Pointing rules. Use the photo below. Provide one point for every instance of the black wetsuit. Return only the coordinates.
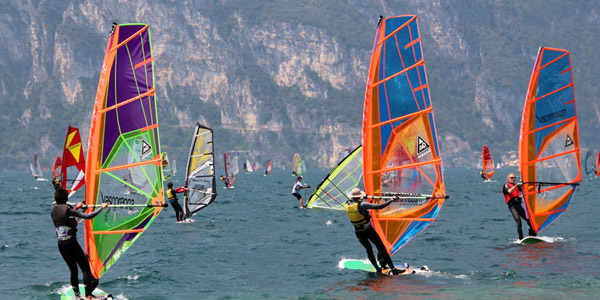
(172, 195)
(367, 235)
(517, 211)
(66, 231)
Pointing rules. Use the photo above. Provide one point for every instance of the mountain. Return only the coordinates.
(282, 77)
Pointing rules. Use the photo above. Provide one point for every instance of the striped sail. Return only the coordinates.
(73, 162)
(400, 148)
(123, 141)
(200, 174)
(333, 190)
(549, 158)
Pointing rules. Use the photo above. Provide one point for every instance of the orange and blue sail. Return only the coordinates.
(487, 163)
(124, 161)
(401, 154)
(549, 161)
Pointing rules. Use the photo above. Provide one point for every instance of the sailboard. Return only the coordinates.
(333, 191)
(200, 172)
(487, 163)
(269, 167)
(298, 166)
(123, 139)
(549, 158)
(231, 169)
(73, 162)
(248, 167)
(401, 157)
(597, 167)
(56, 168)
(588, 163)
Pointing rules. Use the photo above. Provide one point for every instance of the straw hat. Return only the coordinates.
(356, 193)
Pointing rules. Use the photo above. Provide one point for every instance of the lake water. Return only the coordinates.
(252, 244)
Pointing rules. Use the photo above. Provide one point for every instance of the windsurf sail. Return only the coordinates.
(73, 162)
(123, 140)
(588, 163)
(200, 174)
(269, 167)
(56, 168)
(166, 167)
(333, 191)
(248, 167)
(597, 168)
(549, 158)
(298, 166)
(487, 163)
(38, 167)
(231, 169)
(400, 148)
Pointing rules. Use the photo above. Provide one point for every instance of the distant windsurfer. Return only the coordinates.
(298, 185)
(358, 212)
(512, 196)
(225, 181)
(172, 196)
(56, 183)
(63, 216)
(482, 174)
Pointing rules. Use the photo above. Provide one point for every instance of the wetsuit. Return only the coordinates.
(66, 230)
(513, 200)
(172, 195)
(358, 212)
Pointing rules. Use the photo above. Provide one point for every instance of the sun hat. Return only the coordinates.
(356, 193)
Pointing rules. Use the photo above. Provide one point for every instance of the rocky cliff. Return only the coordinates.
(280, 77)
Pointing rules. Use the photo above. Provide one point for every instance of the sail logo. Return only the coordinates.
(568, 141)
(114, 200)
(146, 149)
(552, 116)
(422, 147)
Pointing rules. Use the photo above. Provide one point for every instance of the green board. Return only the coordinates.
(528, 240)
(68, 294)
(365, 265)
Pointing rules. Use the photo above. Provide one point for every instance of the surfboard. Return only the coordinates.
(528, 240)
(69, 295)
(365, 265)
(186, 221)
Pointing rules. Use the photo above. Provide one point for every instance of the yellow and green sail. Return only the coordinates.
(333, 190)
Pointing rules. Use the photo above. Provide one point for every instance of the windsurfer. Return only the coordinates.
(482, 174)
(225, 181)
(358, 212)
(63, 216)
(172, 195)
(298, 185)
(512, 196)
(56, 183)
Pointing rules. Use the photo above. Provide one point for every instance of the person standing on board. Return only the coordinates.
(172, 196)
(63, 216)
(358, 212)
(512, 196)
(225, 181)
(298, 185)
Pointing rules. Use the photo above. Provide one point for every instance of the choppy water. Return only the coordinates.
(252, 244)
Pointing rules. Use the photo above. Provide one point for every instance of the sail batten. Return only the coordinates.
(549, 142)
(401, 153)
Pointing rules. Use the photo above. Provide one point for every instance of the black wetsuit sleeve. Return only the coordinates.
(79, 214)
(505, 189)
(367, 205)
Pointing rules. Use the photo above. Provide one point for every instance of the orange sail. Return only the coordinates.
(400, 149)
(549, 158)
(488, 164)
